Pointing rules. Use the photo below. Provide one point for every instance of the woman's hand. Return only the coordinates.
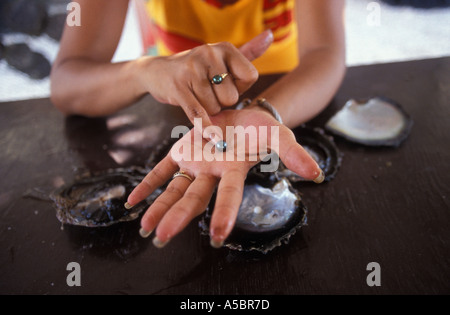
(184, 79)
(184, 199)
(84, 81)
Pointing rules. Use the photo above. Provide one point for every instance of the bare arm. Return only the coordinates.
(306, 91)
(83, 79)
(85, 82)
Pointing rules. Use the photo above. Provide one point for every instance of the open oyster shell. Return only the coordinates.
(375, 122)
(322, 149)
(98, 200)
(270, 213)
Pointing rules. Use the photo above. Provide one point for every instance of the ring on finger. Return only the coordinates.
(218, 79)
(182, 174)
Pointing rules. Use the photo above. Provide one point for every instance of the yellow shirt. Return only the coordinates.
(179, 25)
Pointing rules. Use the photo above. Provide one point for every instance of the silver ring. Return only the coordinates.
(182, 174)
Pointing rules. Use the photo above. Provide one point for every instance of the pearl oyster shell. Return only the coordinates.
(270, 213)
(321, 148)
(98, 200)
(374, 122)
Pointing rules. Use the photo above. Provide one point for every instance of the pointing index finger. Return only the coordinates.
(198, 116)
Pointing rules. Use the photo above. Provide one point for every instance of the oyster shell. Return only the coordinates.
(270, 213)
(375, 122)
(98, 200)
(322, 149)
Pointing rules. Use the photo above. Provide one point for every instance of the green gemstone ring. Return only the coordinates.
(217, 79)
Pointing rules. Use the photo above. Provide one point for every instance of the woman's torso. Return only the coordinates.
(178, 25)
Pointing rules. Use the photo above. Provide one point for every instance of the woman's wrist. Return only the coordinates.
(262, 105)
(141, 69)
(262, 102)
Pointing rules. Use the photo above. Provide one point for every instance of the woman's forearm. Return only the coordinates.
(307, 90)
(90, 88)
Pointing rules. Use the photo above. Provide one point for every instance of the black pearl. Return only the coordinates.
(217, 79)
(221, 146)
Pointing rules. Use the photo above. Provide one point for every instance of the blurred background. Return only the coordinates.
(377, 32)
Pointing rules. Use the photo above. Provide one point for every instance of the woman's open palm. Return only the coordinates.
(251, 134)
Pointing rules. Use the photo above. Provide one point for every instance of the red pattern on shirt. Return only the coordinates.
(175, 42)
(270, 4)
(281, 20)
(220, 3)
(278, 21)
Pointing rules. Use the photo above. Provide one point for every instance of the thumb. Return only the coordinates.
(257, 46)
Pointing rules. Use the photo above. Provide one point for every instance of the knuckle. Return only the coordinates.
(161, 203)
(203, 52)
(186, 67)
(226, 45)
(182, 211)
(252, 74)
(147, 182)
(189, 70)
(236, 174)
(150, 219)
(194, 112)
(191, 195)
(230, 189)
(230, 98)
(171, 189)
(214, 110)
(223, 209)
(249, 76)
(149, 185)
(234, 97)
(157, 174)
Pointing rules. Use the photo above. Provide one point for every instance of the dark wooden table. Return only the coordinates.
(390, 206)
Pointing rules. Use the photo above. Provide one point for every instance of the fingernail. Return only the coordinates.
(127, 206)
(158, 243)
(216, 244)
(144, 233)
(319, 179)
(269, 38)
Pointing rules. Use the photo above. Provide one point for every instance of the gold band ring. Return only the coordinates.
(217, 79)
(182, 174)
